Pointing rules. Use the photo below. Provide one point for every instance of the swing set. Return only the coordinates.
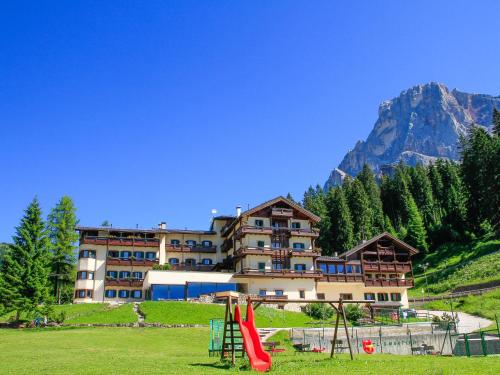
(232, 338)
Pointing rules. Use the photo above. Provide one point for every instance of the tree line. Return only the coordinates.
(423, 205)
(38, 268)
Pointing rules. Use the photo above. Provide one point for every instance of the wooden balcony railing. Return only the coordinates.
(278, 273)
(191, 249)
(248, 250)
(400, 267)
(131, 262)
(136, 283)
(114, 241)
(281, 212)
(306, 232)
(389, 282)
(343, 278)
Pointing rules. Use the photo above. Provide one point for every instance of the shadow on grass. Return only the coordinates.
(221, 365)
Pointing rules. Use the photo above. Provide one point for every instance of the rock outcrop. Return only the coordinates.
(422, 124)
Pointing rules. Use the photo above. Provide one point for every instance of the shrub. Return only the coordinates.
(319, 311)
(353, 312)
(162, 267)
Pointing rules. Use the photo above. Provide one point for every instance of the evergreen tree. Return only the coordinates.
(437, 190)
(290, 198)
(341, 227)
(454, 201)
(61, 223)
(496, 122)
(25, 268)
(361, 213)
(421, 191)
(389, 227)
(372, 190)
(315, 201)
(416, 235)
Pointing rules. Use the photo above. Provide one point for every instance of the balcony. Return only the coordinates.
(398, 267)
(197, 267)
(135, 283)
(279, 273)
(342, 278)
(191, 249)
(306, 232)
(281, 212)
(282, 251)
(114, 241)
(407, 283)
(131, 262)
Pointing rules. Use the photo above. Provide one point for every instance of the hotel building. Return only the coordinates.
(267, 250)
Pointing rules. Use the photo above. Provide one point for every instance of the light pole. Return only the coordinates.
(424, 267)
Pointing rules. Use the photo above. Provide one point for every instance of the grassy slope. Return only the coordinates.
(184, 351)
(98, 313)
(194, 313)
(453, 265)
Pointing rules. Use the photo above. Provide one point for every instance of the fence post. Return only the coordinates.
(466, 341)
(498, 328)
(380, 339)
(483, 344)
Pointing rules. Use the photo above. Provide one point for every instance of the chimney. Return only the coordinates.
(238, 211)
(162, 225)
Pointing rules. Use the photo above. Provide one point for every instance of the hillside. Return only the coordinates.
(423, 123)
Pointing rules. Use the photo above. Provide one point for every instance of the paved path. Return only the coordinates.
(466, 322)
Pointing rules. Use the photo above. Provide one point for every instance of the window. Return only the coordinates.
(346, 296)
(382, 297)
(190, 262)
(83, 293)
(206, 261)
(260, 243)
(137, 275)
(138, 254)
(112, 274)
(302, 293)
(85, 275)
(276, 244)
(299, 245)
(323, 267)
(332, 269)
(110, 293)
(123, 293)
(277, 266)
(206, 243)
(151, 255)
(370, 296)
(300, 267)
(173, 261)
(191, 243)
(87, 254)
(113, 254)
(259, 223)
(262, 292)
(124, 274)
(136, 294)
(340, 268)
(278, 292)
(125, 254)
(262, 266)
(320, 295)
(396, 297)
(357, 268)
(296, 225)
(348, 268)
(175, 242)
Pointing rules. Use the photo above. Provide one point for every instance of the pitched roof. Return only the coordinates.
(280, 198)
(402, 244)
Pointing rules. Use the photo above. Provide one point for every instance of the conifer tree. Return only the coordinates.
(421, 191)
(454, 201)
(437, 190)
(372, 190)
(389, 227)
(315, 201)
(361, 213)
(61, 223)
(341, 227)
(25, 268)
(496, 122)
(416, 235)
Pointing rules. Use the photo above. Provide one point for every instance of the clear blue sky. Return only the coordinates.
(144, 111)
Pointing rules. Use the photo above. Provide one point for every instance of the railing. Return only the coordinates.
(270, 230)
(131, 262)
(249, 250)
(281, 212)
(187, 267)
(387, 267)
(116, 241)
(124, 282)
(389, 282)
(343, 278)
(193, 249)
(280, 273)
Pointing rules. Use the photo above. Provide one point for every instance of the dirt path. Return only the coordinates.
(466, 322)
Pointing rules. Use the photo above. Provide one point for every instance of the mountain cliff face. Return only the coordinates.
(422, 124)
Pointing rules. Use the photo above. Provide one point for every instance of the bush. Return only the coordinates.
(318, 311)
(162, 267)
(353, 312)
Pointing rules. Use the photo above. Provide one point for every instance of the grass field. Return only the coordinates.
(184, 351)
(195, 313)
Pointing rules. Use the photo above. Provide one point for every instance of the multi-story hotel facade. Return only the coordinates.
(267, 250)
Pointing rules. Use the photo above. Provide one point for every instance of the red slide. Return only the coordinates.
(260, 360)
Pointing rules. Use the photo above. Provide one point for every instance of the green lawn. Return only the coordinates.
(195, 313)
(184, 351)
